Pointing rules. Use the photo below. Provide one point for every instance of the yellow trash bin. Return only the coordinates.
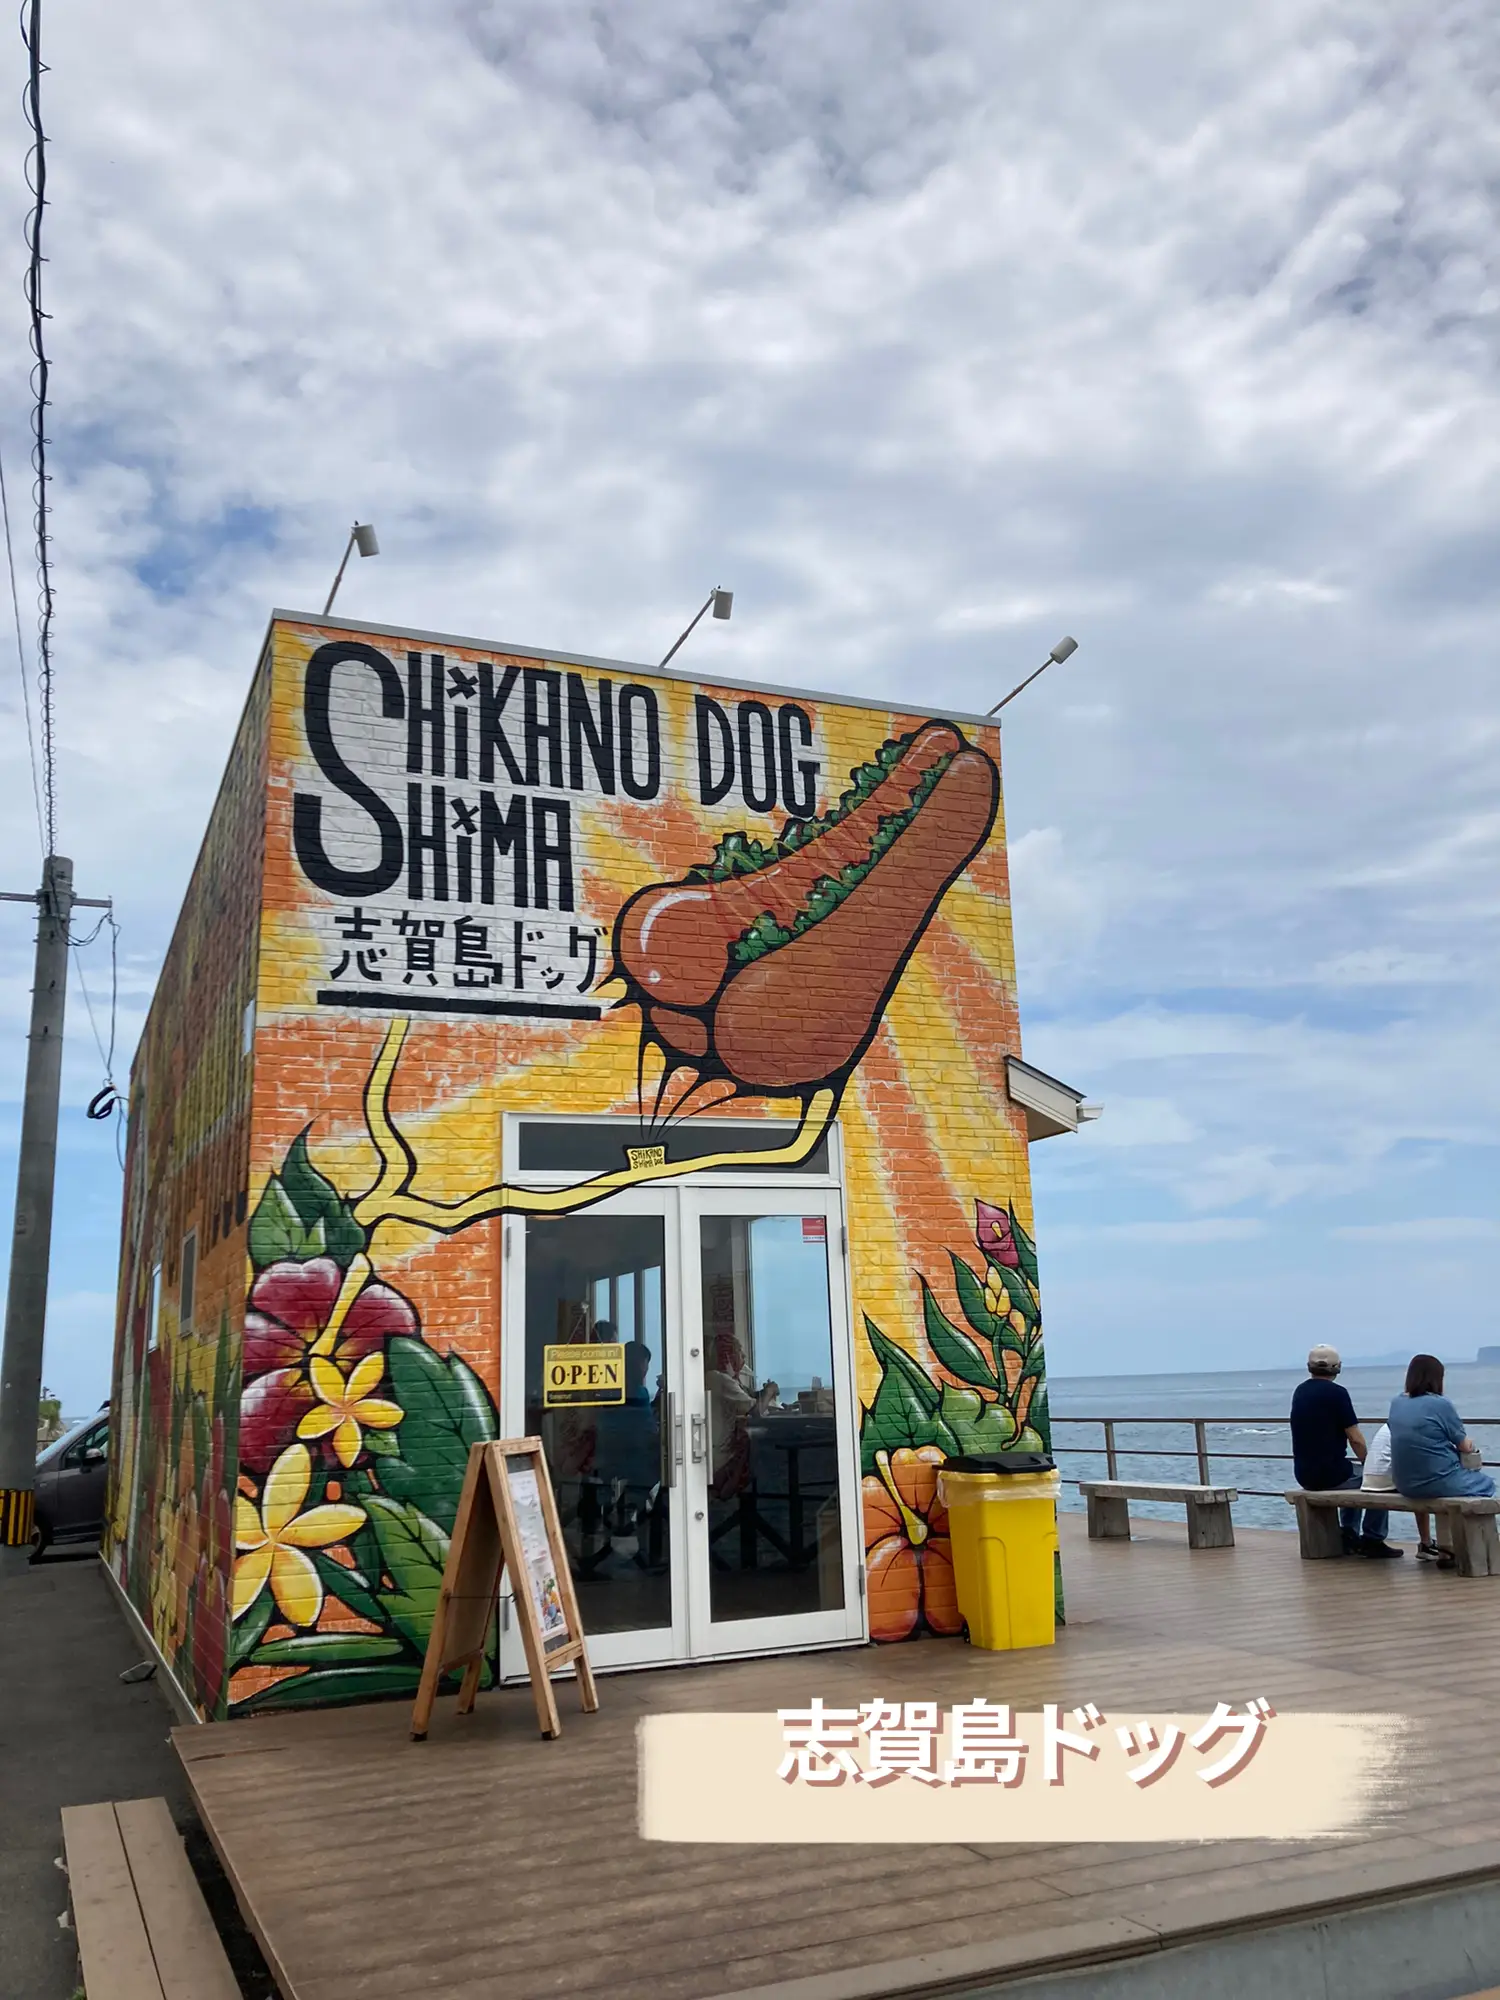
(1002, 1516)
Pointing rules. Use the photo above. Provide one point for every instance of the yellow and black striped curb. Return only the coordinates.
(17, 1516)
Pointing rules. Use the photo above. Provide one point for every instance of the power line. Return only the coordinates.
(36, 180)
(107, 1101)
(15, 602)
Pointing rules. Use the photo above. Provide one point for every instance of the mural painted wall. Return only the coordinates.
(495, 884)
(175, 1389)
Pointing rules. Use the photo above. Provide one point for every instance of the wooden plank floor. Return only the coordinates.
(486, 1862)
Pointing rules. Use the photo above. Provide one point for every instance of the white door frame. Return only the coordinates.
(692, 1634)
(715, 1639)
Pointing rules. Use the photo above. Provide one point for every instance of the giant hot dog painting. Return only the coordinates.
(500, 883)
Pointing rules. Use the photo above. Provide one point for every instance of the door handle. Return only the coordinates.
(671, 1441)
(700, 1441)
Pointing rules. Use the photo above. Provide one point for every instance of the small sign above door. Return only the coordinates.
(583, 1372)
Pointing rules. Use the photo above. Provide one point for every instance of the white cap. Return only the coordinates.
(1324, 1360)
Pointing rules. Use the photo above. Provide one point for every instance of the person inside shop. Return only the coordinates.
(1432, 1457)
(1324, 1429)
(627, 1455)
(733, 1401)
(637, 1370)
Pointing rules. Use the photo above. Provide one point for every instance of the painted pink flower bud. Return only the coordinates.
(992, 1232)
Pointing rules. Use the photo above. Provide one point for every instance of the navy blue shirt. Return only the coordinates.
(1321, 1413)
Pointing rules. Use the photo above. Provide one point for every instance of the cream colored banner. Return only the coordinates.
(1068, 1776)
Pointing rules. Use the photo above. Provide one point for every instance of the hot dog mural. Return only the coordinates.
(495, 882)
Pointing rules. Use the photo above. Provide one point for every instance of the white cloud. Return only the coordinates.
(934, 329)
(1423, 1229)
(1383, 965)
(1131, 1122)
(1200, 1229)
(1253, 592)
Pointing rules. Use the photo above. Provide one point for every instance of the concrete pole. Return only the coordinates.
(31, 1244)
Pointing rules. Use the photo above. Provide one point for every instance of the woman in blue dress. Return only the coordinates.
(1427, 1439)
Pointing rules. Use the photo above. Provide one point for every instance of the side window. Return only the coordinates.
(153, 1309)
(189, 1280)
(95, 1440)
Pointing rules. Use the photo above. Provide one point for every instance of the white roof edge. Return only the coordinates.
(1041, 1076)
(1051, 1106)
(387, 630)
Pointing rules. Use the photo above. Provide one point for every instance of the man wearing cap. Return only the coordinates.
(1323, 1422)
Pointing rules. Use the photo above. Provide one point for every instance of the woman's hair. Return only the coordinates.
(1424, 1375)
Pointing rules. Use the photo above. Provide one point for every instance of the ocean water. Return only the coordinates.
(1249, 1418)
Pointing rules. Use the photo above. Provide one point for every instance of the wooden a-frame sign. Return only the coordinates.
(506, 1523)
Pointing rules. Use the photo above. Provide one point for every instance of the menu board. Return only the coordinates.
(506, 1525)
(539, 1571)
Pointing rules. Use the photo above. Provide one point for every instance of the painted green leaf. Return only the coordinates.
(896, 1360)
(222, 1362)
(202, 1441)
(328, 1649)
(1026, 1251)
(246, 1635)
(1028, 1440)
(446, 1410)
(311, 1194)
(351, 1587)
(274, 1228)
(970, 1288)
(344, 1236)
(1021, 1294)
(401, 1480)
(1041, 1415)
(311, 1242)
(333, 1684)
(905, 1409)
(978, 1426)
(381, 1443)
(479, 1422)
(364, 1546)
(958, 1353)
(414, 1550)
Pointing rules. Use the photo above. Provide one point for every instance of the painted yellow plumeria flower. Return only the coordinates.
(343, 1406)
(272, 1540)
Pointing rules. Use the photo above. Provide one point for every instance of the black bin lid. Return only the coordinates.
(1003, 1462)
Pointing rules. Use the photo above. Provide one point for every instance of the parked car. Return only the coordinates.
(71, 1476)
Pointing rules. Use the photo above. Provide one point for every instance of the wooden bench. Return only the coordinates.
(1210, 1525)
(143, 1928)
(1470, 1524)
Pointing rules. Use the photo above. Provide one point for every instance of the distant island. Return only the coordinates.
(1397, 1357)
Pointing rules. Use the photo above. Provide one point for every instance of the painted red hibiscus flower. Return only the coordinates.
(289, 1309)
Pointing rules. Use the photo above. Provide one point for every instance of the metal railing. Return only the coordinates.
(1202, 1449)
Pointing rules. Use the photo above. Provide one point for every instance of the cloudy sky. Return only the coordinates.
(936, 329)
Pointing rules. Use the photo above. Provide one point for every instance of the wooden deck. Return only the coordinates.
(486, 1862)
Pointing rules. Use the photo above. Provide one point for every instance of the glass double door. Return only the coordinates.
(714, 1510)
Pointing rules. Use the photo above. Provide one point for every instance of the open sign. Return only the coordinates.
(583, 1372)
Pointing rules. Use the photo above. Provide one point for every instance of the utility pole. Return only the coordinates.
(31, 1243)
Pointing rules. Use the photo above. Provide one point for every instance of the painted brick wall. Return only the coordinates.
(373, 1336)
(175, 1392)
